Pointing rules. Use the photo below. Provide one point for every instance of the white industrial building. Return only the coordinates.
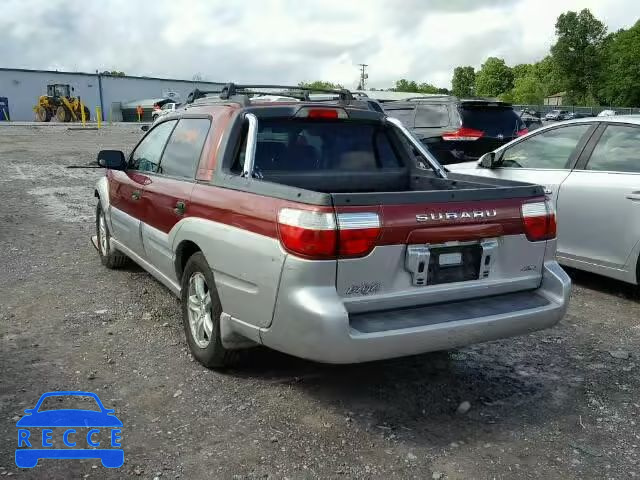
(22, 88)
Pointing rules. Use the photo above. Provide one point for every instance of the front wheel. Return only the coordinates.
(201, 310)
(109, 257)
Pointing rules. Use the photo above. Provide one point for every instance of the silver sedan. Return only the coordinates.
(591, 170)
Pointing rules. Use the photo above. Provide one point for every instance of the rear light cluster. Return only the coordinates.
(522, 132)
(539, 221)
(322, 113)
(319, 236)
(462, 133)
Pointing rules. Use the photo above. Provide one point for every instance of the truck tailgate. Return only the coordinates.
(443, 251)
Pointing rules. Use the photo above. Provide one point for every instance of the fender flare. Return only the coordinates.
(101, 192)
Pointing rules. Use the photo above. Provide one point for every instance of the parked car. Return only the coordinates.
(309, 228)
(457, 130)
(163, 110)
(607, 113)
(574, 115)
(591, 169)
(531, 118)
(556, 115)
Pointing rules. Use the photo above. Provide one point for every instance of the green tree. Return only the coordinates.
(578, 52)
(404, 85)
(321, 85)
(528, 90)
(620, 78)
(494, 78)
(113, 73)
(463, 83)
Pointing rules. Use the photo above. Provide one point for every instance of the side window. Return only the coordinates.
(432, 116)
(617, 150)
(146, 156)
(181, 157)
(550, 150)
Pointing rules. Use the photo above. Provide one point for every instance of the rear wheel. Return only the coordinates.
(109, 257)
(201, 310)
(62, 114)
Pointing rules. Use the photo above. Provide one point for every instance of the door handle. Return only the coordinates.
(135, 195)
(180, 207)
(634, 196)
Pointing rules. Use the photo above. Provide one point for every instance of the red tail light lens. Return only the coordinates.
(308, 233)
(357, 233)
(522, 132)
(463, 134)
(317, 236)
(322, 113)
(539, 221)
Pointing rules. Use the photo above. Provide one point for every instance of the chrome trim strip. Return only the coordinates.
(252, 139)
(419, 146)
(161, 277)
(352, 221)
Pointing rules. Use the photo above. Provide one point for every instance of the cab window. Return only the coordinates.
(181, 157)
(146, 156)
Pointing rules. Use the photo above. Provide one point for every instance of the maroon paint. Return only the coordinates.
(248, 211)
(122, 186)
(159, 201)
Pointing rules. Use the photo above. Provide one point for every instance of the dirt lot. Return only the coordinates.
(563, 403)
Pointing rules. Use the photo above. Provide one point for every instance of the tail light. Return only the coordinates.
(322, 113)
(539, 221)
(522, 132)
(317, 235)
(463, 133)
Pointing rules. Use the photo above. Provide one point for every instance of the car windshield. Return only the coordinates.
(64, 402)
(492, 120)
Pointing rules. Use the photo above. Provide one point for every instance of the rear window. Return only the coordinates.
(295, 145)
(405, 115)
(432, 116)
(493, 120)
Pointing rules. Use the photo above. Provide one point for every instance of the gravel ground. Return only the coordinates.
(560, 404)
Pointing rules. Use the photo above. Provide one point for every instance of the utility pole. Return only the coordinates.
(363, 75)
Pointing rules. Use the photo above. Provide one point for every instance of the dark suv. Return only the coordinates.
(457, 130)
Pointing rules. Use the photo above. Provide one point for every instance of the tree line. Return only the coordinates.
(586, 63)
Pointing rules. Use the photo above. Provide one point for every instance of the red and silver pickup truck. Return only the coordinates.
(326, 231)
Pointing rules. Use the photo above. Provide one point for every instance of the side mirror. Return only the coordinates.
(144, 128)
(487, 160)
(29, 410)
(112, 159)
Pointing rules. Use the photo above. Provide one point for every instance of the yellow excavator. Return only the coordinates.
(59, 103)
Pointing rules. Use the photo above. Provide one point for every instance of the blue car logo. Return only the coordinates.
(70, 433)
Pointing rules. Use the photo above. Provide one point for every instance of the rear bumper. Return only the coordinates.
(313, 323)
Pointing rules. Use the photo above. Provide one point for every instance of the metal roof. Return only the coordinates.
(26, 70)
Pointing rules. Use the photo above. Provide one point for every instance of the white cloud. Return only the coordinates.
(287, 40)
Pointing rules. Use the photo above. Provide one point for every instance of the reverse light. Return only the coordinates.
(539, 221)
(464, 134)
(317, 235)
(322, 113)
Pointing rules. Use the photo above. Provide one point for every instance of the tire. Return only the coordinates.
(43, 115)
(110, 258)
(62, 114)
(201, 311)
